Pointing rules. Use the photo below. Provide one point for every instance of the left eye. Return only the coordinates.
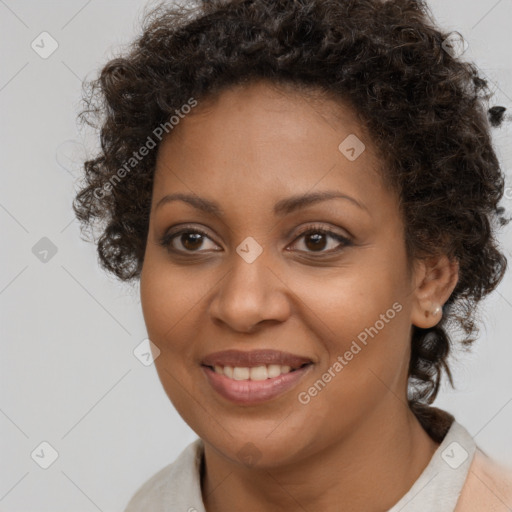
(316, 240)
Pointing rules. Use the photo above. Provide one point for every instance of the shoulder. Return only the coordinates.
(173, 486)
(152, 492)
(485, 484)
(488, 486)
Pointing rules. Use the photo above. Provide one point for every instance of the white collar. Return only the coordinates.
(440, 484)
(177, 487)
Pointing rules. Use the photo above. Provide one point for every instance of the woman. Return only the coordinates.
(308, 193)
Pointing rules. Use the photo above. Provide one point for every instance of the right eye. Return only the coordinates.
(190, 239)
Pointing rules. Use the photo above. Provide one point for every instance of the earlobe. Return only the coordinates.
(436, 278)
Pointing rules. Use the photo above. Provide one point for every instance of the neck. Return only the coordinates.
(368, 470)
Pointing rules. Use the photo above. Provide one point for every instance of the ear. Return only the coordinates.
(435, 279)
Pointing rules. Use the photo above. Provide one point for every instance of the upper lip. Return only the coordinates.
(249, 359)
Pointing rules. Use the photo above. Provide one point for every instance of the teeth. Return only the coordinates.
(240, 373)
(255, 373)
(274, 370)
(259, 373)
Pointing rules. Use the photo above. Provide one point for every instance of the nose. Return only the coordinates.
(250, 295)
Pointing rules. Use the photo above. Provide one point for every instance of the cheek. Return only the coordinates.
(170, 316)
(361, 316)
(353, 300)
(166, 302)
(365, 354)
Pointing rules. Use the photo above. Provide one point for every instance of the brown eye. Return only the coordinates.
(186, 240)
(317, 240)
(191, 241)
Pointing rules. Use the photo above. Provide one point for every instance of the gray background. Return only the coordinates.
(68, 373)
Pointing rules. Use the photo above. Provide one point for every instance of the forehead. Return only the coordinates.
(260, 102)
(262, 138)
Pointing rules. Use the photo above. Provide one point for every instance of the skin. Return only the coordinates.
(355, 444)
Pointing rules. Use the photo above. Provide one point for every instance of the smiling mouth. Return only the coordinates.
(254, 373)
(254, 385)
(256, 376)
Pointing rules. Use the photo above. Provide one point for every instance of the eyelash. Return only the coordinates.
(166, 240)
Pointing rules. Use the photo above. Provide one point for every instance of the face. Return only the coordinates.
(324, 281)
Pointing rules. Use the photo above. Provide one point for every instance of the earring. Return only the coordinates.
(434, 312)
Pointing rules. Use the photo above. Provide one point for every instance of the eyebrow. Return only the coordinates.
(281, 208)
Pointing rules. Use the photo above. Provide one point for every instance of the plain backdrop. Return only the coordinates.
(69, 376)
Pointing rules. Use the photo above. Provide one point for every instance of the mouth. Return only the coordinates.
(255, 358)
(254, 373)
(248, 378)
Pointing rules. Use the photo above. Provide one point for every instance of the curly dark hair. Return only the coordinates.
(425, 108)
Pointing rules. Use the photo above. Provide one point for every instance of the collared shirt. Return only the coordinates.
(177, 487)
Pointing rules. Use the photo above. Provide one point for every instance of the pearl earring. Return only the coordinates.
(434, 312)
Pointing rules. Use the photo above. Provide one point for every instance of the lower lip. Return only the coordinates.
(249, 392)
